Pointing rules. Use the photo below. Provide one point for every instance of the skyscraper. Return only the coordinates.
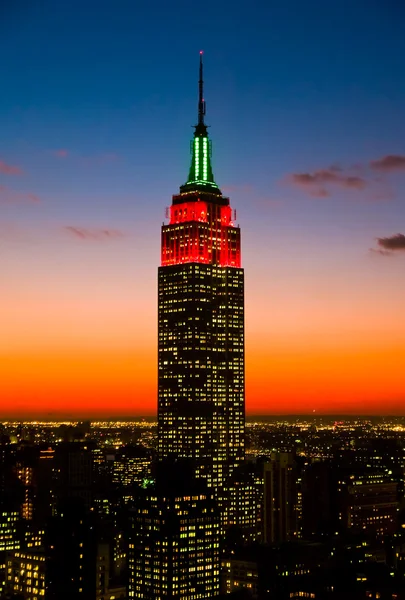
(201, 404)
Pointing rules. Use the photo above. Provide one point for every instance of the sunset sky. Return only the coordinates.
(306, 103)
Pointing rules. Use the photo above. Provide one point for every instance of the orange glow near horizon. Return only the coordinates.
(86, 383)
(360, 381)
(124, 383)
(79, 334)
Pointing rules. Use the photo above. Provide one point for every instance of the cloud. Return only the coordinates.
(389, 163)
(92, 160)
(8, 196)
(316, 183)
(6, 169)
(388, 245)
(98, 235)
(33, 198)
(61, 153)
(371, 176)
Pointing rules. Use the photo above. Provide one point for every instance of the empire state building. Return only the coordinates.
(201, 398)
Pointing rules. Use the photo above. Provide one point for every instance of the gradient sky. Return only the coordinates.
(306, 102)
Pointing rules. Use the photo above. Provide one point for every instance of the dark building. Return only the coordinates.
(71, 547)
(12, 491)
(369, 503)
(336, 569)
(64, 566)
(280, 498)
(265, 571)
(174, 542)
(73, 473)
(344, 497)
(48, 475)
(319, 500)
(201, 405)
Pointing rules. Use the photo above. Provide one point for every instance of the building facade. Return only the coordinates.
(369, 503)
(201, 403)
(280, 499)
(174, 542)
(26, 574)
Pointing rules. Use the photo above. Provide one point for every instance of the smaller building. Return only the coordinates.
(132, 464)
(73, 473)
(369, 504)
(245, 501)
(26, 574)
(104, 575)
(280, 499)
(34, 536)
(238, 575)
(9, 540)
(174, 545)
(263, 571)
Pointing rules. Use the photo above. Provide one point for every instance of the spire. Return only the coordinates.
(201, 101)
(200, 176)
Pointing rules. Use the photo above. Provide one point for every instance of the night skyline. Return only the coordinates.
(96, 118)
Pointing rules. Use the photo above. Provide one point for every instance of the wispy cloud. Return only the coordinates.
(369, 179)
(317, 184)
(8, 196)
(388, 163)
(7, 169)
(91, 160)
(61, 153)
(388, 246)
(98, 235)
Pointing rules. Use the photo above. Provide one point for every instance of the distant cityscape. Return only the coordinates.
(319, 510)
(260, 430)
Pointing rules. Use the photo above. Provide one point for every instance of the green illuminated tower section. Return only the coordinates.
(201, 399)
(201, 175)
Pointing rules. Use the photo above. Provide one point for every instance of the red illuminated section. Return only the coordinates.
(201, 232)
(188, 212)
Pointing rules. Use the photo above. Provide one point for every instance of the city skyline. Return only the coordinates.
(87, 168)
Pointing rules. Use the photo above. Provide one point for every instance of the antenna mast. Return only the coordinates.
(201, 101)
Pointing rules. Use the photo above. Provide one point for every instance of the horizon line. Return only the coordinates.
(59, 417)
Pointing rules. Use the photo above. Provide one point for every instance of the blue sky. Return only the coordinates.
(290, 87)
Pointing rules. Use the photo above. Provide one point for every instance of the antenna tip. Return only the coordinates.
(201, 51)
